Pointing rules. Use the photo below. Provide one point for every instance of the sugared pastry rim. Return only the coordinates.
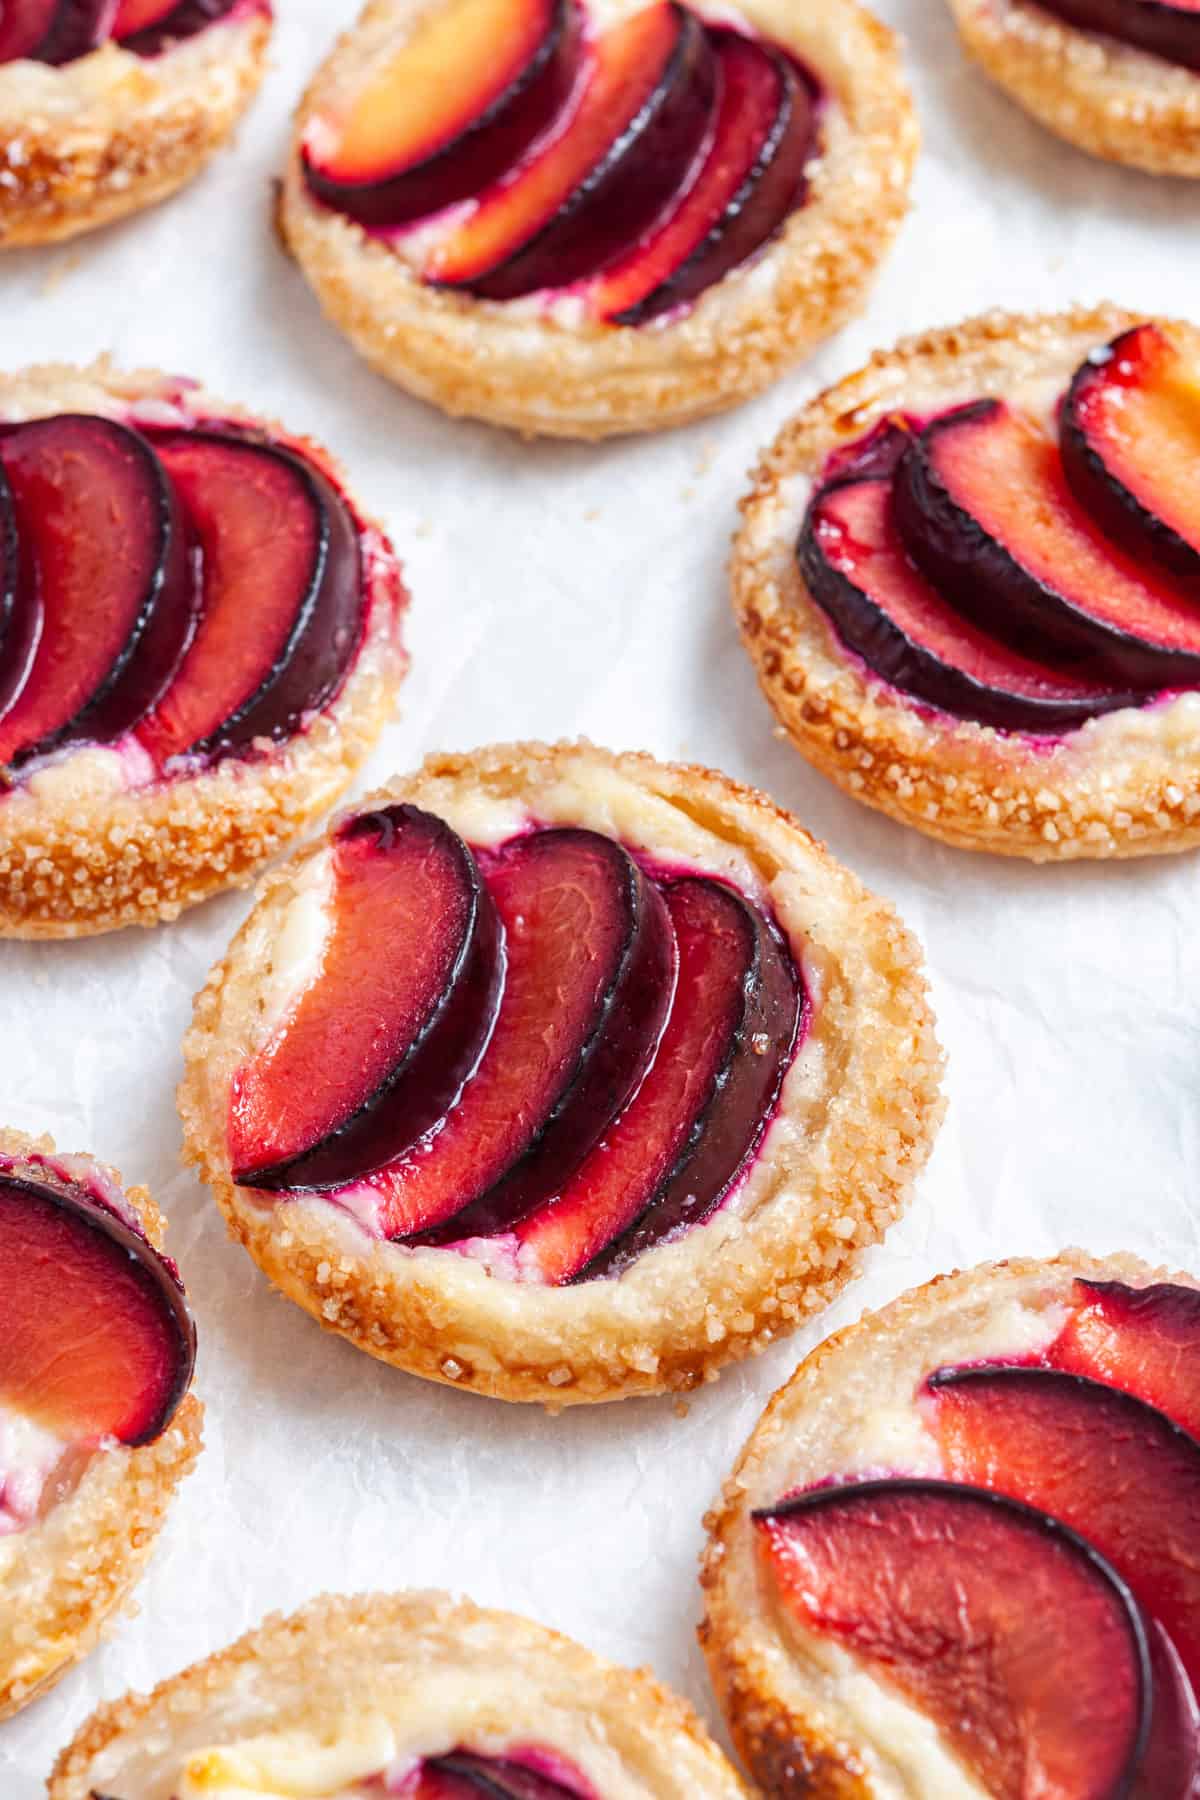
(1104, 96)
(798, 1702)
(112, 132)
(79, 852)
(1127, 784)
(441, 1672)
(517, 365)
(72, 1569)
(858, 1112)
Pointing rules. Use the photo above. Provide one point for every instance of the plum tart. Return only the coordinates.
(107, 106)
(414, 1694)
(97, 1424)
(1120, 78)
(582, 219)
(199, 642)
(627, 1072)
(969, 579)
(956, 1557)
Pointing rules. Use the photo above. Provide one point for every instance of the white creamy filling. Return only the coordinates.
(29, 1454)
(296, 1765)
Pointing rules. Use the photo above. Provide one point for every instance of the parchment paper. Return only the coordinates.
(562, 590)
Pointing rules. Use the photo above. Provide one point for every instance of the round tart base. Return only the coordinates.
(798, 1713)
(1127, 784)
(443, 1673)
(857, 1115)
(112, 133)
(77, 1566)
(517, 365)
(81, 853)
(1106, 97)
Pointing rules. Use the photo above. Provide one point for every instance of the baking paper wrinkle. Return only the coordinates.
(563, 589)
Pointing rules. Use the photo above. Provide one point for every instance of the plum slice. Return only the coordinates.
(1143, 1340)
(460, 102)
(1130, 434)
(281, 597)
(147, 27)
(24, 24)
(855, 566)
(463, 1775)
(1113, 1468)
(104, 599)
(1166, 28)
(984, 508)
(52, 31)
(98, 1340)
(673, 1154)
(590, 967)
(16, 646)
(639, 118)
(751, 178)
(379, 1047)
(1010, 1632)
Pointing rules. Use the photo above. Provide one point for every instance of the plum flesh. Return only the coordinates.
(148, 27)
(464, 1775)
(1145, 1341)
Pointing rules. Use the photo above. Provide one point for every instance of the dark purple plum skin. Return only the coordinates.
(77, 28)
(499, 1778)
(491, 144)
(867, 630)
(329, 619)
(990, 587)
(423, 1087)
(14, 648)
(731, 1126)
(1166, 31)
(183, 21)
(609, 1066)
(628, 188)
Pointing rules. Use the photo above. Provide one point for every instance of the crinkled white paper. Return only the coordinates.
(560, 590)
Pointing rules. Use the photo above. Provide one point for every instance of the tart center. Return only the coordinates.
(1022, 578)
(633, 161)
(546, 1053)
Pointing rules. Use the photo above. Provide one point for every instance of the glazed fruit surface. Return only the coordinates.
(1025, 576)
(634, 161)
(61, 31)
(548, 1053)
(180, 595)
(1166, 28)
(1039, 1603)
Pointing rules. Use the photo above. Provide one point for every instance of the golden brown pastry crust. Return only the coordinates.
(79, 852)
(1127, 784)
(444, 1672)
(112, 133)
(513, 365)
(1104, 96)
(79, 1564)
(795, 1726)
(858, 1113)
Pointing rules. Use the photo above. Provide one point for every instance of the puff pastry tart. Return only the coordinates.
(562, 1075)
(1120, 78)
(97, 1427)
(969, 577)
(109, 105)
(957, 1555)
(411, 1694)
(199, 642)
(584, 217)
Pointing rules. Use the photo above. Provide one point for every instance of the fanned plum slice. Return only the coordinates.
(24, 24)
(1143, 1340)
(985, 510)
(1010, 1633)
(495, 1778)
(855, 566)
(1166, 28)
(632, 132)
(1113, 1468)
(674, 1152)
(148, 26)
(751, 178)
(72, 28)
(281, 595)
(105, 599)
(459, 103)
(588, 980)
(16, 647)
(379, 1047)
(97, 1338)
(1130, 433)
